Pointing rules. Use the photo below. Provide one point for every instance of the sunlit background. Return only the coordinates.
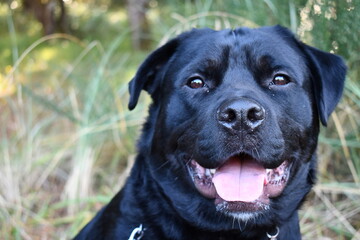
(67, 140)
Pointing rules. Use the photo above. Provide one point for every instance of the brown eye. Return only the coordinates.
(280, 79)
(196, 83)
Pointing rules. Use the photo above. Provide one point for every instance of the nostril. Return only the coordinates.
(256, 114)
(229, 115)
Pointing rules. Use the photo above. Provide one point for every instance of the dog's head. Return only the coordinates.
(234, 122)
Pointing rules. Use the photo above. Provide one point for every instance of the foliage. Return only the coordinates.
(67, 138)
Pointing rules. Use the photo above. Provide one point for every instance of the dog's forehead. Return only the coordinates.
(212, 46)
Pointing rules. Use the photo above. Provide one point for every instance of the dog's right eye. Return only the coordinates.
(280, 79)
(195, 83)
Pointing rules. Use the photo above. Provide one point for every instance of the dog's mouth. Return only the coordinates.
(241, 184)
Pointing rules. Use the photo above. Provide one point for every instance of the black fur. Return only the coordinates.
(240, 63)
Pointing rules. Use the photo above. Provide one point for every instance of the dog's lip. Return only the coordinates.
(275, 181)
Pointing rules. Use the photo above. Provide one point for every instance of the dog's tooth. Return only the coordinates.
(193, 164)
(210, 171)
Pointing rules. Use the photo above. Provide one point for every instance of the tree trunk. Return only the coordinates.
(44, 12)
(140, 31)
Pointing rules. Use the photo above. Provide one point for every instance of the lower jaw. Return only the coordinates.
(241, 210)
(237, 210)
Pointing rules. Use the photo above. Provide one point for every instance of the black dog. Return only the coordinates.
(228, 150)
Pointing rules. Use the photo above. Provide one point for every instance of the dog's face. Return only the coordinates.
(234, 123)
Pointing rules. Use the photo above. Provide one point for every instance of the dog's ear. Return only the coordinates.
(327, 72)
(148, 75)
(328, 75)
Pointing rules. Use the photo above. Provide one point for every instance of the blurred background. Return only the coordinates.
(67, 140)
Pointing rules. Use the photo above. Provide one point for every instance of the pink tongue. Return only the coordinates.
(239, 180)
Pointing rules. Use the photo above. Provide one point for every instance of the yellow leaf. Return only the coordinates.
(6, 88)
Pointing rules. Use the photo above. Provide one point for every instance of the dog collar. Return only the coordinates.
(137, 233)
(273, 237)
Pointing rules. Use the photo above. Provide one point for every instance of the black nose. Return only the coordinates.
(241, 113)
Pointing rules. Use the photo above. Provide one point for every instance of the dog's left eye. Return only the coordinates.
(280, 79)
(196, 83)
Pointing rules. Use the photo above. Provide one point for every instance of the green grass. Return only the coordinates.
(67, 139)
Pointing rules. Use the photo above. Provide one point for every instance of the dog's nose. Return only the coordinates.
(241, 113)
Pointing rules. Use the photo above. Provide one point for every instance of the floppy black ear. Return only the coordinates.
(328, 76)
(148, 75)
